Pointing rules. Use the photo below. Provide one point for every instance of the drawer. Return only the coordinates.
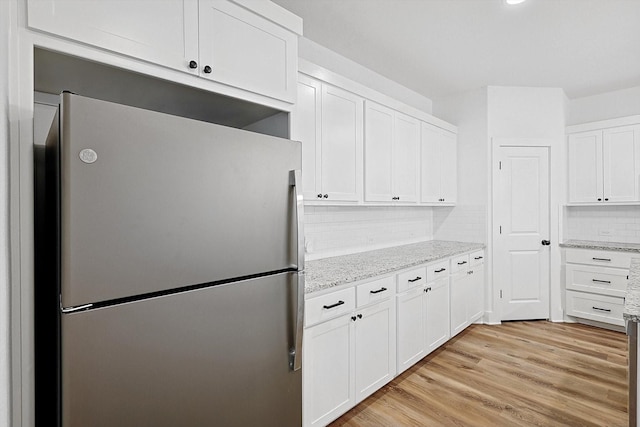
(412, 278)
(328, 306)
(375, 291)
(596, 307)
(601, 280)
(603, 258)
(437, 270)
(459, 263)
(477, 257)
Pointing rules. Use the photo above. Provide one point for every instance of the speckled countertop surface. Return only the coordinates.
(605, 246)
(331, 272)
(632, 299)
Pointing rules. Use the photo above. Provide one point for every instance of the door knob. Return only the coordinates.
(546, 242)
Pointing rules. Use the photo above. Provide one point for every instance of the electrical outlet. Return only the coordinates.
(605, 232)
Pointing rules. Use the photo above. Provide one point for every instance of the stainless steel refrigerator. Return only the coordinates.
(175, 248)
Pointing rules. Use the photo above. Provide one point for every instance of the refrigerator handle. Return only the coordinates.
(295, 354)
(295, 180)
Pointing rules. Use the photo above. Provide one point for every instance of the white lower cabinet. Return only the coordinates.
(349, 357)
(357, 339)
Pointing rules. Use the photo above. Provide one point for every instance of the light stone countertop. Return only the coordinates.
(335, 271)
(605, 246)
(632, 299)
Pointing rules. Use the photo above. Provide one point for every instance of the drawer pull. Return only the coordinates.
(440, 271)
(601, 259)
(602, 309)
(601, 281)
(415, 280)
(478, 257)
(462, 263)
(378, 291)
(329, 307)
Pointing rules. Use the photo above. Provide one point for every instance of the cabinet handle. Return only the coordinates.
(354, 318)
(329, 307)
(462, 263)
(415, 280)
(601, 259)
(378, 291)
(478, 257)
(207, 69)
(606, 199)
(602, 309)
(319, 196)
(326, 196)
(193, 64)
(359, 316)
(601, 281)
(599, 199)
(440, 271)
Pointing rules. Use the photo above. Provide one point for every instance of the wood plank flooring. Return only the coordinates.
(533, 373)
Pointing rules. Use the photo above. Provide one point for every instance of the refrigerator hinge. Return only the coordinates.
(74, 309)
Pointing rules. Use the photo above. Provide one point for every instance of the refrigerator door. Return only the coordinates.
(151, 202)
(217, 356)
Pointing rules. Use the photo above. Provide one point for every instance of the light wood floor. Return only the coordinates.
(533, 373)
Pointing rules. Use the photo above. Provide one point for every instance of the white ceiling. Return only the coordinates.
(442, 47)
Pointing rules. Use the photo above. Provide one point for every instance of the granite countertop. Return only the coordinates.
(605, 246)
(632, 299)
(331, 272)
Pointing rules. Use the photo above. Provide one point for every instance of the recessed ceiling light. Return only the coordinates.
(511, 2)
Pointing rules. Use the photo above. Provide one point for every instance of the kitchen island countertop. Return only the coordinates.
(632, 299)
(327, 273)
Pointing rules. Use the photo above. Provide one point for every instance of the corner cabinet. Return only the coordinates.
(220, 40)
(439, 166)
(604, 165)
(391, 159)
(329, 123)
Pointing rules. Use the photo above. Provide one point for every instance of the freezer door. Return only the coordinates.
(151, 202)
(212, 357)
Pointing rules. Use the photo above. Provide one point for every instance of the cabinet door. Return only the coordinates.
(437, 314)
(411, 324)
(449, 172)
(378, 153)
(459, 297)
(305, 127)
(246, 50)
(475, 305)
(328, 371)
(375, 336)
(162, 32)
(621, 164)
(405, 158)
(585, 167)
(430, 164)
(342, 126)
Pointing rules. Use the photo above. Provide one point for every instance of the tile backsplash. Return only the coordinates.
(340, 230)
(463, 223)
(603, 223)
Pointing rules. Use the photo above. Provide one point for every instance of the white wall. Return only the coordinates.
(332, 61)
(524, 114)
(467, 220)
(610, 105)
(5, 389)
(340, 230)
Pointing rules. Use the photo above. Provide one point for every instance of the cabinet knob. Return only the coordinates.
(353, 318)
(599, 199)
(326, 196)
(319, 196)
(606, 199)
(359, 316)
(207, 69)
(193, 64)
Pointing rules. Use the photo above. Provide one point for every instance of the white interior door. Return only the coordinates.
(521, 213)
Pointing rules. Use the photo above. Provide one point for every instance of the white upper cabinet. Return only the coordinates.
(438, 166)
(604, 165)
(329, 123)
(215, 39)
(391, 155)
(341, 150)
